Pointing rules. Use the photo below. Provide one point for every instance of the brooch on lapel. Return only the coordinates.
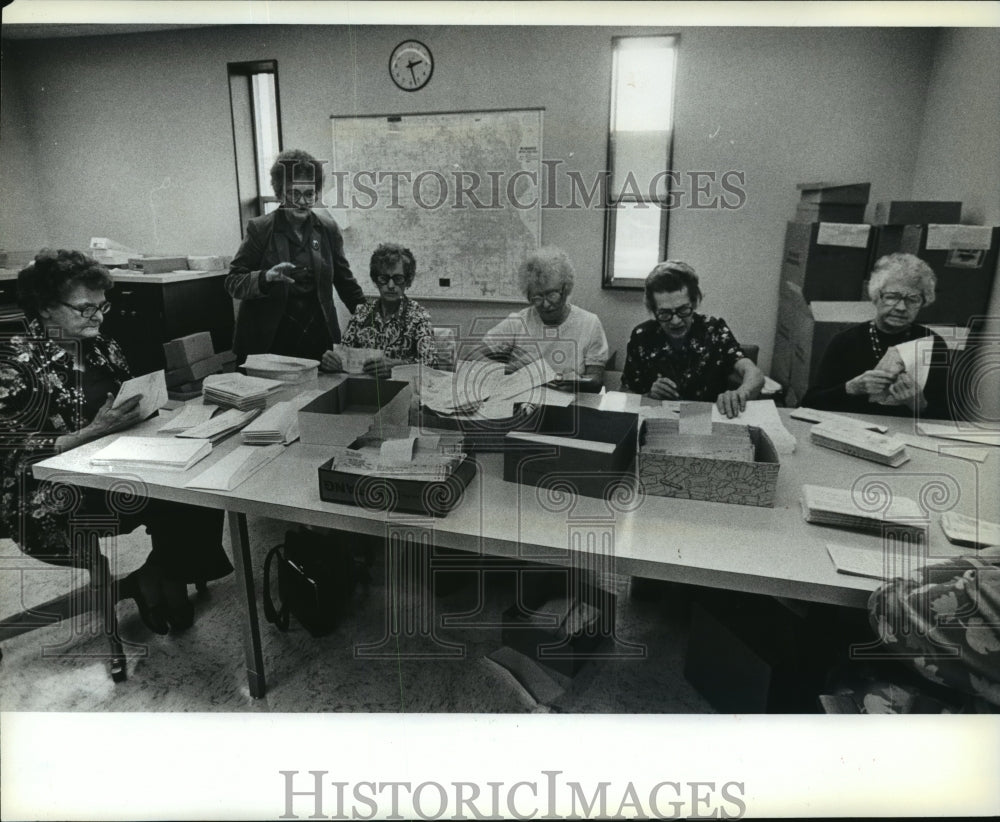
(315, 245)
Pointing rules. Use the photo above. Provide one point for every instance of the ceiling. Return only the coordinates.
(39, 31)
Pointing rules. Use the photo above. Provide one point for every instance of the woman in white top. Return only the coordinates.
(569, 338)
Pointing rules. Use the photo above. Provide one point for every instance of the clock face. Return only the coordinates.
(411, 65)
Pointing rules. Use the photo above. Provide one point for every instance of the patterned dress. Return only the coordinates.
(700, 369)
(405, 335)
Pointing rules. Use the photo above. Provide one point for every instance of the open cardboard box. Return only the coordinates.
(590, 449)
(705, 478)
(349, 409)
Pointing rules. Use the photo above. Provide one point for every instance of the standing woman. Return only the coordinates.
(287, 267)
(683, 355)
(57, 384)
(393, 323)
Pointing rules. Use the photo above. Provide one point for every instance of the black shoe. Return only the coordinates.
(180, 611)
(143, 586)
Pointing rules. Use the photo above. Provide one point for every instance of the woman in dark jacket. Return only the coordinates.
(57, 385)
(287, 267)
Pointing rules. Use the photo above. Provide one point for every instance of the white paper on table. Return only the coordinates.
(235, 468)
(853, 235)
(764, 415)
(812, 415)
(947, 237)
(477, 380)
(189, 416)
(229, 420)
(659, 409)
(560, 399)
(154, 452)
(353, 360)
(152, 386)
(567, 442)
(961, 529)
(527, 380)
(953, 432)
(935, 446)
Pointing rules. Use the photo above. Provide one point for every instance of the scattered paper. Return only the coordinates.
(954, 432)
(964, 530)
(279, 367)
(162, 453)
(935, 446)
(218, 427)
(235, 468)
(189, 416)
(152, 387)
(812, 415)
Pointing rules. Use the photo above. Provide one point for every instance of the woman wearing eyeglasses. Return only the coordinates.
(287, 268)
(570, 339)
(683, 355)
(849, 378)
(393, 323)
(57, 384)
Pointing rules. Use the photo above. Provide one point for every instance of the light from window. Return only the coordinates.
(640, 138)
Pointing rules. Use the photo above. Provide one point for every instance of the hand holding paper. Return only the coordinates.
(152, 387)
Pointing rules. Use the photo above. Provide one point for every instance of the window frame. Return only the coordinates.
(609, 280)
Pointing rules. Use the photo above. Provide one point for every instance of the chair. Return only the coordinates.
(101, 594)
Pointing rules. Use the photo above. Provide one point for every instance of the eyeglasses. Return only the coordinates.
(304, 195)
(665, 315)
(894, 298)
(89, 310)
(550, 297)
(383, 279)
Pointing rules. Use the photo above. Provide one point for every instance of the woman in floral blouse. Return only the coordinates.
(683, 355)
(57, 384)
(392, 323)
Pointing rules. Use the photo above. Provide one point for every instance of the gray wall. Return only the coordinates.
(128, 136)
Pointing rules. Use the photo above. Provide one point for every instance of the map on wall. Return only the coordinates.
(461, 190)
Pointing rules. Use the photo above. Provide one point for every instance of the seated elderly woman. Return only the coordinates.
(855, 375)
(393, 323)
(57, 385)
(566, 336)
(683, 355)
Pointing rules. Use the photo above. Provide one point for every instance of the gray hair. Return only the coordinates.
(903, 268)
(547, 264)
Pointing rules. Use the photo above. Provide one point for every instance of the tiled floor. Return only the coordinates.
(62, 667)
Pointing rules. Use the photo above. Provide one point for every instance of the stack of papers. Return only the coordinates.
(221, 426)
(856, 441)
(402, 454)
(188, 417)
(279, 423)
(235, 468)
(725, 443)
(277, 367)
(838, 507)
(161, 453)
(963, 530)
(239, 391)
(764, 415)
(964, 433)
(353, 360)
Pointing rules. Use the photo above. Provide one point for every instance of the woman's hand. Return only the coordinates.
(380, 367)
(663, 389)
(732, 403)
(331, 362)
(280, 272)
(869, 384)
(107, 421)
(904, 390)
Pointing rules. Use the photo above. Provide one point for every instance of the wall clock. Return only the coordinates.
(411, 65)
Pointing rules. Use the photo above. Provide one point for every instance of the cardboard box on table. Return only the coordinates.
(158, 265)
(705, 478)
(213, 364)
(187, 350)
(570, 461)
(350, 408)
(963, 258)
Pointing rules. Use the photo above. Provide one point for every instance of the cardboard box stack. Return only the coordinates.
(189, 360)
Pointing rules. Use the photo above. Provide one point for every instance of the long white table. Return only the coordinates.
(769, 551)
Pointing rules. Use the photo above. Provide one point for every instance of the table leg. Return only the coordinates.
(240, 539)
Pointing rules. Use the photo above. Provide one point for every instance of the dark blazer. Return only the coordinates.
(263, 304)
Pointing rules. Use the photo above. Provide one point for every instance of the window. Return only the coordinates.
(256, 115)
(640, 144)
